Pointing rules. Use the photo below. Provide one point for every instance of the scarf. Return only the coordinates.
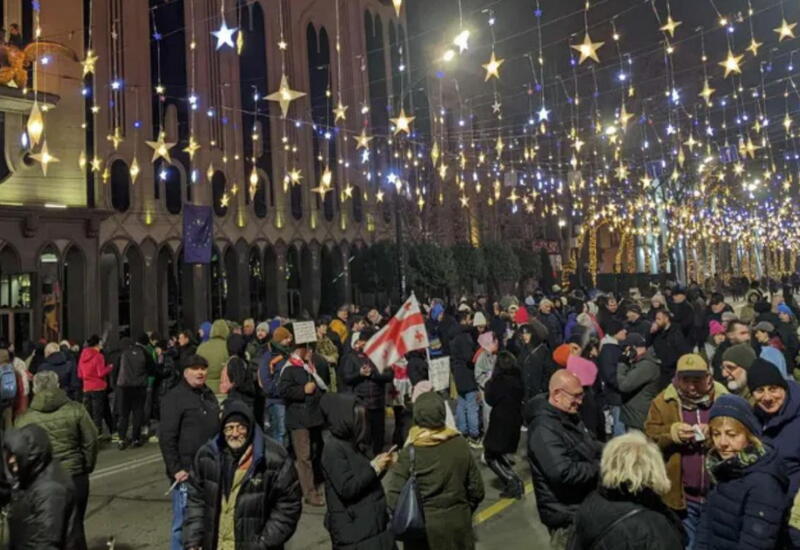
(310, 369)
(733, 467)
(430, 437)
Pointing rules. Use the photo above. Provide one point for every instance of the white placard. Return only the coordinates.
(439, 373)
(304, 332)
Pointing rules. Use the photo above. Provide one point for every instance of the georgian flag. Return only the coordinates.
(405, 332)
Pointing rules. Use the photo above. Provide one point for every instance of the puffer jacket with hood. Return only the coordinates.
(267, 506)
(72, 432)
(356, 518)
(639, 384)
(64, 367)
(42, 500)
(92, 369)
(215, 351)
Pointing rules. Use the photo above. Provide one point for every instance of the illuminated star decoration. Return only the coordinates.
(706, 92)
(192, 147)
(224, 35)
(402, 123)
(89, 62)
(670, 26)
(587, 49)
(731, 64)
(44, 157)
(340, 112)
(295, 176)
(690, 143)
(493, 67)
(496, 106)
(161, 148)
(134, 170)
(624, 117)
(285, 95)
(461, 40)
(646, 180)
(96, 164)
(115, 138)
(786, 30)
(622, 172)
(464, 201)
(239, 42)
(754, 45)
(379, 196)
(362, 140)
(544, 113)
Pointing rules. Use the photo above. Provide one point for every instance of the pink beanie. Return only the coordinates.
(485, 340)
(715, 327)
(585, 370)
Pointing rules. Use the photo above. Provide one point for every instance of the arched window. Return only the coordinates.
(172, 177)
(218, 186)
(120, 186)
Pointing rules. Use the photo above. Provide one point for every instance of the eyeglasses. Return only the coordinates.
(576, 396)
(231, 429)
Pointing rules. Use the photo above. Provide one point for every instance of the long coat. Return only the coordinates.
(356, 516)
(504, 393)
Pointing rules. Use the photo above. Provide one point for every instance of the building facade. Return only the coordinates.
(96, 244)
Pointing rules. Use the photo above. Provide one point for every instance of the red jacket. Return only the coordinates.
(92, 369)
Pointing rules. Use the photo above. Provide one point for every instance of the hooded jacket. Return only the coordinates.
(449, 481)
(72, 433)
(42, 502)
(462, 350)
(60, 364)
(607, 363)
(356, 516)
(504, 394)
(536, 367)
(371, 390)
(564, 460)
(302, 410)
(92, 369)
(267, 506)
(639, 384)
(745, 508)
(215, 351)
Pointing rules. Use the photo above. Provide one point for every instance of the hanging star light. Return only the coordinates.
(82, 161)
(239, 42)
(285, 95)
(44, 157)
(115, 138)
(754, 45)
(224, 35)
(402, 123)
(461, 40)
(224, 200)
(624, 117)
(587, 49)
(464, 200)
(161, 147)
(786, 30)
(379, 195)
(89, 63)
(787, 122)
(499, 146)
(577, 144)
(731, 63)
(513, 197)
(348, 191)
(544, 113)
(750, 148)
(434, 152)
(340, 112)
(35, 125)
(496, 106)
(362, 140)
(670, 26)
(192, 147)
(295, 176)
(690, 143)
(706, 92)
(622, 172)
(420, 202)
(96, 164)
(646, 180)
(493, 67)
(134, 170)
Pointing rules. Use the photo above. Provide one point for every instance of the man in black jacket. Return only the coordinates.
(682, 313)
(563, 456)
(42, 499)
(669, 344)
(189, 418)
(136, 364)
(243, 491)
(607, 362)
(301, 388)
(533, 363)
(462, 349)
(635, 322)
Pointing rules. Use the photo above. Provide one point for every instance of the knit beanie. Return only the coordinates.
(561, 355)
(479, 320)
(783, 308)
(715, 327)
(763, 373)
(742, 355)
(263, 326)
(737, 408)
(521, 316)
(613, 326)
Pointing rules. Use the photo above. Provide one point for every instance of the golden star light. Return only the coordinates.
(44, 157)
(402, 123)
(670, 26)
(161, 148)
(362, 140)
(622, 172)
(134, 170)
(731, 64)
(707, 91)
(96, 164)
(115, 138)
(295, 176)
(35, 125)
(464, 200)
(379, 196)
(192, 147)
(340, 112)
(754, 45)
(690, 143)
(624, 117)
(587, 49)
(462, 41)
(284, 96)
(646, 180)
(493, 67)
(786, 30)
(89, 62)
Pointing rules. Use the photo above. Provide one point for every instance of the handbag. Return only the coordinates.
(408, 520)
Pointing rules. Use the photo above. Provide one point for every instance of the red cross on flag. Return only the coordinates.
(405, 332)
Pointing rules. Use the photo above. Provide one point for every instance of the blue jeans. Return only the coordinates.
(276, 418)
(179, 495)
(618, 428)
(694, 511)
(467, 415)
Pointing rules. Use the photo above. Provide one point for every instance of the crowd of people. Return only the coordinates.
(671, 421)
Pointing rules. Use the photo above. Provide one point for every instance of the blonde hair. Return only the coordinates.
(721, 422)
(633, 463)
(50, 349)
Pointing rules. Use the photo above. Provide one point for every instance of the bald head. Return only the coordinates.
(566, 392)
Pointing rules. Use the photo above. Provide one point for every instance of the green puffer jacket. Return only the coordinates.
(69, 427)
(215, 351)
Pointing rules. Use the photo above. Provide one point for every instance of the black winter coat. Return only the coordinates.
(356, 516)
(535, 366)
(641, 327)
(64, 367)
(607, 362)
(417, 368)
(302, 411)
(745, 509)
(462, 349)
(267, 506)
(41, 508)
(564, 460)
(683, 316)
(189, 418)
(371, 390)
(654, 527)
(136, 364)
(555, 328)
(670, 345)
(504, 393)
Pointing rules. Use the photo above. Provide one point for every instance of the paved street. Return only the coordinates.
(128, 503)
